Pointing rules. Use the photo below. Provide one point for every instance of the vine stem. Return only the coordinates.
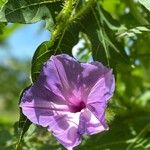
(85, 9)
(62, 19)
(66, 19)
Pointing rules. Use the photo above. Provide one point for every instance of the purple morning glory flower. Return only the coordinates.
(69, 98)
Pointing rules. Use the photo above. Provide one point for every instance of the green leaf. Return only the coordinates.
(29, 11)
(2, 2)
(101, 32)
(40, 56)
(123, 32)
(142, 28)
(2, 26)
(23, 124)
(6, 31)
(145, 3)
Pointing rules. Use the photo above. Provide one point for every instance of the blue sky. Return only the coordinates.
(24, 41)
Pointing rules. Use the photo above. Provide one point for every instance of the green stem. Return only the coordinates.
(84, 10)
(66, 19)
(62, 20)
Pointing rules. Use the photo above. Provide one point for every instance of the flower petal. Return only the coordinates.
(90, 75)
(71, 80)
(43, 108)
(98, 109)
(65, 129)
(103, 90)
(40, 105)
(89, 124)
(60, 74)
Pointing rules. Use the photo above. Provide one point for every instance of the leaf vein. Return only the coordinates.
(32, 5)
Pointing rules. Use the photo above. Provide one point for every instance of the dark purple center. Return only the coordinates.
(77, 108)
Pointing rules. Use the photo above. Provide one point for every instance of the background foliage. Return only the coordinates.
(114, 32)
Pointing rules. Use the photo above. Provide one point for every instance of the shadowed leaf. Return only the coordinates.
(30, 11)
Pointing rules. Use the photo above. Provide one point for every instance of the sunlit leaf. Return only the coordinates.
(123, 32)
(145, 3)
(2, 26)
